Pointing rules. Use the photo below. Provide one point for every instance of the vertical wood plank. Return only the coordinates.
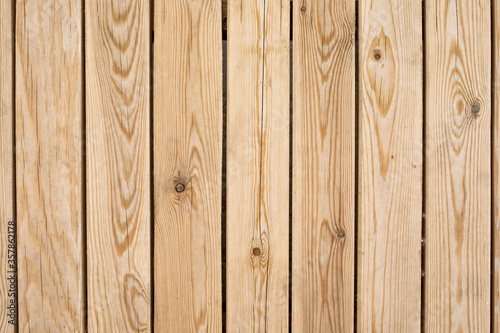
(496, 165)
(118, 166)
(458, 174)
(49, 165)
(258, 165)
(323, 165)
(188, 165)
(390, 175)
(6, 164)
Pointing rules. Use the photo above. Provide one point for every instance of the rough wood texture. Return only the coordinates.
(323, 166)
(390, 175)
(6, 162)
(258, 165)
(188, 165)
(118, 166)
(458, 175)
(49, 165)
(496, 165)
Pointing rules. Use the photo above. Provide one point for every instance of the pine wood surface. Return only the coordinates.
(458, 165)
(188, 165)
(118, 165)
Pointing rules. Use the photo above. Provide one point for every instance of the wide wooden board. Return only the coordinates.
(49, 165)
(458, 166)
(258, 128)
(323, 166)
(187, 165)
(118, 165)
(390, 175)
(7, 200)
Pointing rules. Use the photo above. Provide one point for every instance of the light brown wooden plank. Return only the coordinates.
(390, 175)
(49, 165)
(258, 165)
(323, 166)
(7, 282)
(118, 167)
(188, 165)
(496, 165)
(458, 174)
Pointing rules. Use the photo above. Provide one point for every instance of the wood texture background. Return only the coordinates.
(390, 171)
(49, 165)
(118, 165)
(7, 201)
(112, 130)
(323, 166)
(458, 166)
(258, 127)
(188, 154)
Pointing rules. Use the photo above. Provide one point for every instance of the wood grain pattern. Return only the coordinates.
(390, 175)
(49, 165)
(496, 165)
(118, 165)
(323, 166)
(188, 165)
(458, 175)
(258, 127)
(6, 162)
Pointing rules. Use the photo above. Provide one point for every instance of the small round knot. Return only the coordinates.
(341, 234)
(303, 8)
(377, 55)
(476, 108)
(256, 251)
(179, 188)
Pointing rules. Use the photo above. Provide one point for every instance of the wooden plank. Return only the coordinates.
(49, 165)
(7, 284)
(118, 165)
(458, 174)
(496, 165)
(258, 165)
(188, 165)
(323, 166)
(390, 175)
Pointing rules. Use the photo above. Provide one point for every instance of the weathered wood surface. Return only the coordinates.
(390, 175)
(7, 200)
(118, 165)
(187, 165)
(258, 128)
(49, 165)
(458, 166)
(323, 166)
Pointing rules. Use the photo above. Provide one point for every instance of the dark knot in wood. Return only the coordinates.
(179, 188)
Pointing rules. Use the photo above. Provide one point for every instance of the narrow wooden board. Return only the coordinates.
(323, 165)
(496, 165)
(49, 165)
(258, 182)
(7, 284)
(118, 165)
(390, 175)
(188, 165)
(458, 166)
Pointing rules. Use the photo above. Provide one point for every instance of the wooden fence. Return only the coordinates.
(160, 183)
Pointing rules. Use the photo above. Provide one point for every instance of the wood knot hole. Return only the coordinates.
(377, 55)
(476, 108)
(179, 188)
(303, 8)
(256, 251)
(340, 234)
